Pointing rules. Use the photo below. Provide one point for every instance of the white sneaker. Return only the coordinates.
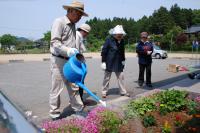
(54, 115)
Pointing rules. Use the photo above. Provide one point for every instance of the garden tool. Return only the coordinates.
(75, 71)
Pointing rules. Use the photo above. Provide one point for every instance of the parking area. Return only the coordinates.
(27, 83)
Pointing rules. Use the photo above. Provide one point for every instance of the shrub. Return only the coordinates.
(140, 106)
(149, 120)
(171, 100)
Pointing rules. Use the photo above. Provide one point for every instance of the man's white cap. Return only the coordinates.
(117, 30)
(85, 27)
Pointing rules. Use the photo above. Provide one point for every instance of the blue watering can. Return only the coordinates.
(75, 71)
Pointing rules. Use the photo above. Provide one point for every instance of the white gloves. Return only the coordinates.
(123, 63)
(149, 52)
(103, 66)
(71, 51)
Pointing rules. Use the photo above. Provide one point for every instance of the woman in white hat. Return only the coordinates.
(113, 59)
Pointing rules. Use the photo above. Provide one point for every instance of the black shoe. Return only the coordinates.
(56, 118)
(140, 84)
(191, 75)
(127, 95)
(149, 85)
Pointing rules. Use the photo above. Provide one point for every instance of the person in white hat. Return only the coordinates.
(81, 34)
(63, 45)
(113, 59)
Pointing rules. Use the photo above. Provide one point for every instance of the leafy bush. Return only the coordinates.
(110, 122)
(171, 100)
(191, 107)
(140, 106)
(149, 120)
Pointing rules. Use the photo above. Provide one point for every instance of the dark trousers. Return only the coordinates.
(142, 68)
(81, 92)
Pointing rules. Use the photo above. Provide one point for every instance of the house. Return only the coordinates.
(194, 29)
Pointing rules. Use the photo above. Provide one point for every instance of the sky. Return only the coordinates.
(32, 18)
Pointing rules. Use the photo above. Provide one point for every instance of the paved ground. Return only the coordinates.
(27, 82)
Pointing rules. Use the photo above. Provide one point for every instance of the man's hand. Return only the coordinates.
(71, 51)
(103, 65)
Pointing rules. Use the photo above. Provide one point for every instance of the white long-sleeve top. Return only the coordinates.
(79, 42)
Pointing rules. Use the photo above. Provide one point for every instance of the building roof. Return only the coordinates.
(193, 29)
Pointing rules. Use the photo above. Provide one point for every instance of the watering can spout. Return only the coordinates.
(103, 103)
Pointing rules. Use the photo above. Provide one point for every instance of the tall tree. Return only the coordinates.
(196, 18)
(178, 16)
(188, 17)
(162, 21)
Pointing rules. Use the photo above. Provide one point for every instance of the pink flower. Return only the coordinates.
(197, 99)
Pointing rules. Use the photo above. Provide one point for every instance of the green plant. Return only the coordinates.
(140, 106)
(171, 100)
(110, 122)
(191, 107)
(149, 120)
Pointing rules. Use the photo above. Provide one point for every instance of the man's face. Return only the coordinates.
(144, 39)
(119, 37)
(75, 15)
(84, 33)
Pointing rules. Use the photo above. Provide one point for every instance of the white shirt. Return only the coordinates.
(79, 42)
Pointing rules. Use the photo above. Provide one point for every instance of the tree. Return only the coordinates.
(168, 40)
(47, 37)
(161, 21)
(178, 16)
(196, 18)
(188, 17)
(8, 40)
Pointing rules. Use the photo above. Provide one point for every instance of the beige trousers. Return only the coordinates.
(58, 83)
(106, 80)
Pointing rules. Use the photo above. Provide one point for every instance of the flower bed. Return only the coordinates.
(170, 111)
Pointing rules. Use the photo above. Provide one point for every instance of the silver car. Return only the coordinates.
(158, 53)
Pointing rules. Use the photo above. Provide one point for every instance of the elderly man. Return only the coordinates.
(113, 59)
(63, 45)
(144, 50)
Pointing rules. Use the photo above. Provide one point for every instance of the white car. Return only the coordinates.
(159, 53)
